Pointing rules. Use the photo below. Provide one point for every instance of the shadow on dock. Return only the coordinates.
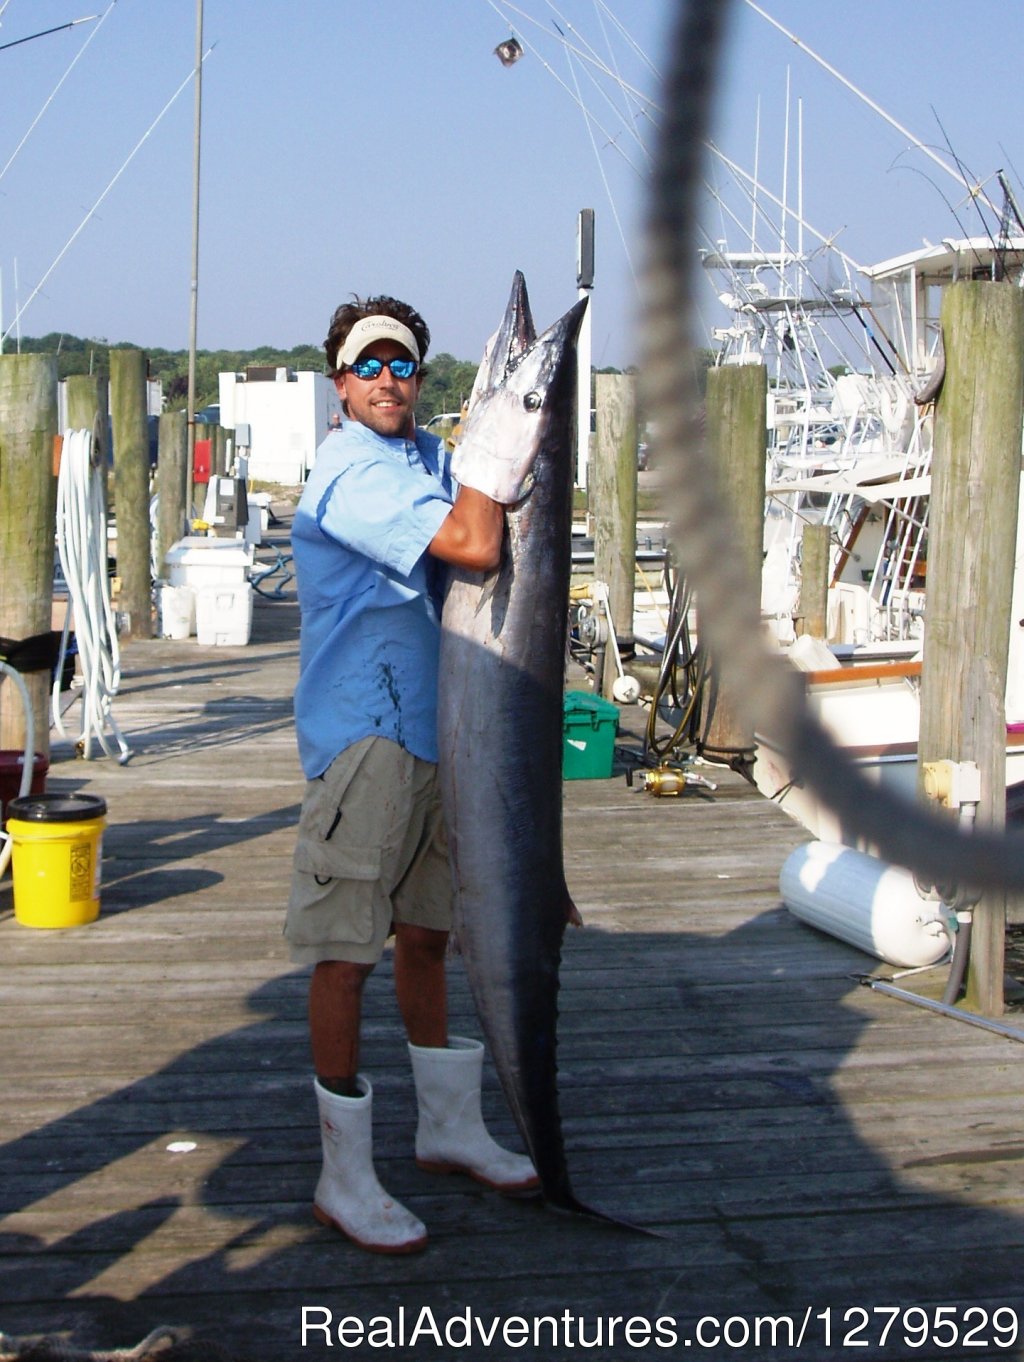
(806, 1146)
(789, 1165)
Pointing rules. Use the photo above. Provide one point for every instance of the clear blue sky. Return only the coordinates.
(362, 148)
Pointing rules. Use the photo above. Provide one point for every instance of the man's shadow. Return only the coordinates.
(702, 1097)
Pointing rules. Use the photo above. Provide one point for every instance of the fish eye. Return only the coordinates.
(533, 401)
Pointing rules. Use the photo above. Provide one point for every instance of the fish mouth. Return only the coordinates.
(521, 382)
(509, 343)
(516, 338)
(516, 333)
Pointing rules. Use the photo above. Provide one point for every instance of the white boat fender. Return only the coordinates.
(866, 902)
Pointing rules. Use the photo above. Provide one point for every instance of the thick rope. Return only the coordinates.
(705, 540)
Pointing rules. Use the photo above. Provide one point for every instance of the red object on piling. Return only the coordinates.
(202, 461)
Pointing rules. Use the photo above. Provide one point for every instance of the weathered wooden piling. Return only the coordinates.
(613, 496)
(737, 418)
(976, 468)
(218, 450)
(170, 483)
(28, 502)
(87, 410)
(815, 571)
(131, 489)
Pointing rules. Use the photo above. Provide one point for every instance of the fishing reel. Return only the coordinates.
(668, 781)
(591, 627)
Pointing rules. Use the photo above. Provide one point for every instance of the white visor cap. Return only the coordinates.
(372, 329)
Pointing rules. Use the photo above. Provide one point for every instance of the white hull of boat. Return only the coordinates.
(874, 717)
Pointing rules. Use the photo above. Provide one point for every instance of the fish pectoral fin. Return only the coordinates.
(487, 591)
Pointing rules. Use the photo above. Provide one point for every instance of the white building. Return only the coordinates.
(278, 418)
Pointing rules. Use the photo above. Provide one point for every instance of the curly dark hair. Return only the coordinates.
(346, 316)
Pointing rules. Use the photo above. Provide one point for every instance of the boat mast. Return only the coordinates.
(584, 288)
(753, 194)
(194, 295)
(785, 189)
(800, 194)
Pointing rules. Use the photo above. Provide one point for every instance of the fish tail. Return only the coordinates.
(567, 1201)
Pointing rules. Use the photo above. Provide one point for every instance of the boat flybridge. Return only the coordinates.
(849, 439)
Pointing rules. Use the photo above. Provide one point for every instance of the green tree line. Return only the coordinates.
(76, 355)
(447, 384)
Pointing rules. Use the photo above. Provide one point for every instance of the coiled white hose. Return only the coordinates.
(82, 545)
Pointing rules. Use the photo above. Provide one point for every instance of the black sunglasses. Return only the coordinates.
(373, 368)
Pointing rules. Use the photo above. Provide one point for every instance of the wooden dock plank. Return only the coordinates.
(796, 1139)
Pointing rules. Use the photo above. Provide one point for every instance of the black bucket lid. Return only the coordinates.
(57, 808)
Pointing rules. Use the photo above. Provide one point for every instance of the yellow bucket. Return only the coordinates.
(58, 841)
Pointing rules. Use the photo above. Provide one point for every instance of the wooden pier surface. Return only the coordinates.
(799, 1143)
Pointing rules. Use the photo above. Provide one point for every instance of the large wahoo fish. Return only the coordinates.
(500, 721)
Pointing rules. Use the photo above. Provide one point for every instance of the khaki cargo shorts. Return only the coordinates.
(371, 851)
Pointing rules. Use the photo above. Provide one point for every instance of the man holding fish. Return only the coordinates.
(379, 518)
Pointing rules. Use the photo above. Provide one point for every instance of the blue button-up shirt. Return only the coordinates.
(369, 593)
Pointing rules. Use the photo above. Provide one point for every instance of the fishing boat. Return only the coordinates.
(869, 481)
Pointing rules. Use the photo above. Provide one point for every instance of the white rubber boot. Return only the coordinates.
(451, 1136)
(348, 1195)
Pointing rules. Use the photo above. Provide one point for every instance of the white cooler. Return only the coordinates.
(224, 614)
(199, 561)
(176, 610)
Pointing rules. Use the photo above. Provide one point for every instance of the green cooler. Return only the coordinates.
(589, 726)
